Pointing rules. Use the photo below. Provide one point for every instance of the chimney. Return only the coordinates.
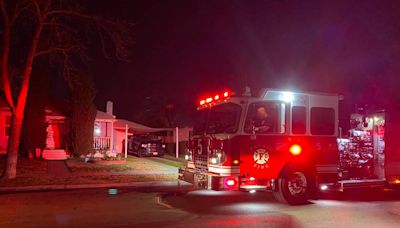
(109, 109)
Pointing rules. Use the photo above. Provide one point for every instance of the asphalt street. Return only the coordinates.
(353, 209)
(173, 207)
(181, 206)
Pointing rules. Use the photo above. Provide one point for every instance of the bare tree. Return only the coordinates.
(34, 29)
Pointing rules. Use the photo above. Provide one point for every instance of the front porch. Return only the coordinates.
(103, 135)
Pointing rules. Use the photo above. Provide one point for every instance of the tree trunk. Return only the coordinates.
(13, 143)
(18, 112)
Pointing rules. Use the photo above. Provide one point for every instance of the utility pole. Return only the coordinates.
(177, 142)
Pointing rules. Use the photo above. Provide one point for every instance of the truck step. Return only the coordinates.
(348, 184)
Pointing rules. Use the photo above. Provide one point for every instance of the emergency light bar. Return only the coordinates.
(211, 100)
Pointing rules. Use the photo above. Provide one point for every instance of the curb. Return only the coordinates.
(150, 184)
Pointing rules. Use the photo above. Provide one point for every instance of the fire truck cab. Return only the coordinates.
(283, 141)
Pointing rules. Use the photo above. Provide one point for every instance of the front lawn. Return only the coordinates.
(133, 163)
(31, 172)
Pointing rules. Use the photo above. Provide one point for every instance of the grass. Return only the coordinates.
(32, 172)
(133, 163)
(170, 162)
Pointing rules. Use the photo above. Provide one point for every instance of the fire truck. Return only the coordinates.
(290, 143)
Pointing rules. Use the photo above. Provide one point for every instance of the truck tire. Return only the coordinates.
(294, 186)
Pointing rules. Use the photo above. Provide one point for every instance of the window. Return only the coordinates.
(219, 119)
(322, 121)
(298, 120)
(265, 117)
(8, 125)
(97, 129)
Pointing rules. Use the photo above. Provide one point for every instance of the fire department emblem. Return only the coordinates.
(261, 157)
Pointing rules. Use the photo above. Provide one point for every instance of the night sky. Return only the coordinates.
(185, 49)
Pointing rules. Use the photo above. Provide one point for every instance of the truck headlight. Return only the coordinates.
(188, 157)
(217, 157)
(143, 145)
(188, 154)
(163, 146)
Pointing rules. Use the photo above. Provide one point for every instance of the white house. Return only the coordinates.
(109, 133)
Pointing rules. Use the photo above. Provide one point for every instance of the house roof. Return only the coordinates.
(104, 116)
(58, 107)
(120, 124)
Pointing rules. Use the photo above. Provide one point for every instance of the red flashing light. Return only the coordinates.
(215, 98)
(295, 149)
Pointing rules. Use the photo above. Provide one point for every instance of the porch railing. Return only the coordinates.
(101, 142)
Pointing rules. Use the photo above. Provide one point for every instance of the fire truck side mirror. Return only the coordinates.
(253, 129)
(364, 121)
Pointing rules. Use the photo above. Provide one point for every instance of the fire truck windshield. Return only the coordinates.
(218, 119)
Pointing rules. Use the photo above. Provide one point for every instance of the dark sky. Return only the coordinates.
(185, 49)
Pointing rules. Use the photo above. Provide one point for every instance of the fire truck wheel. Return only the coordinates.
(294, 187)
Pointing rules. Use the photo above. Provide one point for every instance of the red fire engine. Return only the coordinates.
(290, 143)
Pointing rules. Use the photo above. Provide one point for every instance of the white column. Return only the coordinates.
(112, 137)
(126, 140)
(177, 142)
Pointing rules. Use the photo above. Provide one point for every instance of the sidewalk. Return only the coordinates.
(136, 185)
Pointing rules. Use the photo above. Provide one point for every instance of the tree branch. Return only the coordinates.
(117, 31)
(19, 8)
(54, 49)
(72, 13)
(37, 8)
(31, 55)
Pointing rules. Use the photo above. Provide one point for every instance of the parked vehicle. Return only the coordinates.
(146, 145)
(290, 143)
